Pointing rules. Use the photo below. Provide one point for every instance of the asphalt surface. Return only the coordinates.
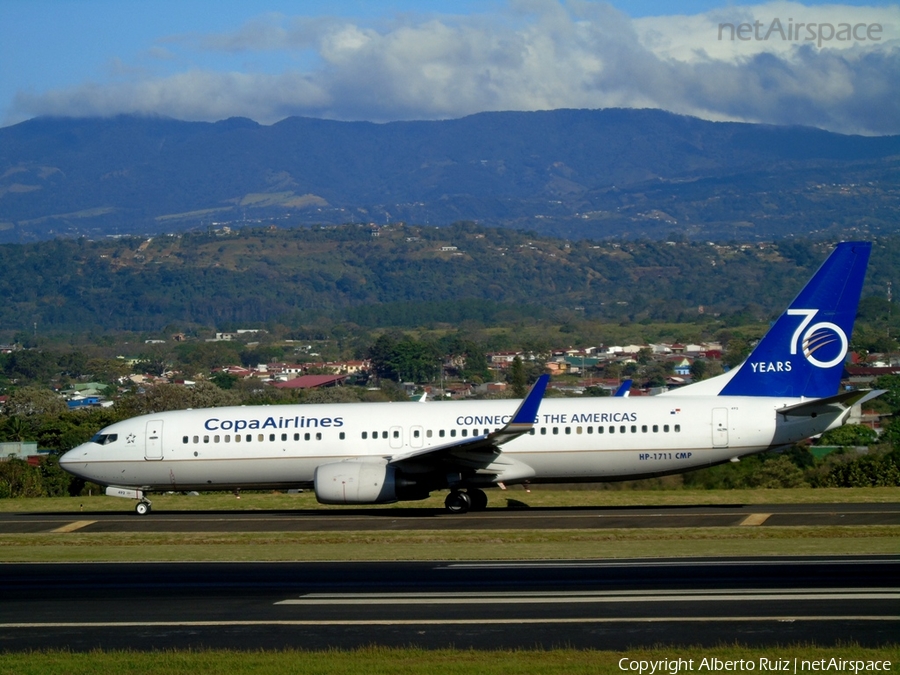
(723, 515)
(484, 605)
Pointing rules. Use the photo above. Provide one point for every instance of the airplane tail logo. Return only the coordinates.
(824, 335)
(803, 353)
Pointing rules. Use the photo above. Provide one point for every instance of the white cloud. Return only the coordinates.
(542, 54)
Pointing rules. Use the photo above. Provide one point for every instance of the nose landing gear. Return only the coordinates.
(143, 507)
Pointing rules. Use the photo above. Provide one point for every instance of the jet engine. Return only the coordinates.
(355, 482)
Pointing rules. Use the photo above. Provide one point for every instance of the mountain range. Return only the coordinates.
(577, 174)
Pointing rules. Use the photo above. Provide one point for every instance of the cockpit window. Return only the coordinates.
(105, 439)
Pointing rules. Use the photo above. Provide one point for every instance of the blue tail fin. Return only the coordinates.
(803, 353)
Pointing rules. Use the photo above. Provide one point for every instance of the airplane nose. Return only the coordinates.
(74, 456)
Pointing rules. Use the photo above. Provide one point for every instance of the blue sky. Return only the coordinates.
(384, 61)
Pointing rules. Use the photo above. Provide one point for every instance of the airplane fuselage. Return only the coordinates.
(585, 439)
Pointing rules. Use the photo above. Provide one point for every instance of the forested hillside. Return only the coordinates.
(397, 276)
(574, 173)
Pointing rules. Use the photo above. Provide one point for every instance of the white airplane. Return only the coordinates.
(377, 453)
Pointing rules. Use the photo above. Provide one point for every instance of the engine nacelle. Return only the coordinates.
(355, 482)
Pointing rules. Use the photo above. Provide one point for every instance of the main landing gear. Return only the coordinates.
(472, 499)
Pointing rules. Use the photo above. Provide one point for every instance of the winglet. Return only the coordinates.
(525, 416)
(624, 389)
(521, 422)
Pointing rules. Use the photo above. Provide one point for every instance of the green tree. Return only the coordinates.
(164, 397)
(224, 381)
(891, 385)
(13, 429)
(517, 378)
(698, 369)
(19, 479)
(849, 435)
(866, 471)
(27, 401)
(735, 352)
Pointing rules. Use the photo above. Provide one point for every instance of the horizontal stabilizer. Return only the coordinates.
(832, 404)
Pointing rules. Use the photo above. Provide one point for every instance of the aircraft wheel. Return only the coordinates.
(478, 498)
(458, 502)
(142, 508)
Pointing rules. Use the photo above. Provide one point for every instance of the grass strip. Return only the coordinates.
(386, 660)
(450, 544)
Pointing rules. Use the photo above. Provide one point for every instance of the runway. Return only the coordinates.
(587, 518)
(484, 605)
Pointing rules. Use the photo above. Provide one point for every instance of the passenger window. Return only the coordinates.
(543, 431)
(396, 434)
(677, 428)
(184, 439)
(284, 437)
(296, 437)
(196, 439)
(577, 430)
(206, 439)
(237, 438)
(568, 431)
(556, 431)
(342, 435)
(261, 437)
(384, 434)
(306, 436)
(271, 438)
(428, 433)
(441, 433)
(644, 429)
(365, 435)
(600, 430)
(318, 435)
(228, 438)
(634, 428)
(531, 431)
(622, 429)
(416, 433)
(216, 438)
(453, 433)
(655, 428)
(666, 428)
(590, 430)
(465, 432)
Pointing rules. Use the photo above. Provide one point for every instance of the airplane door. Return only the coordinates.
(396, 437)
(416, 437)
(153, 447)
(720, 427)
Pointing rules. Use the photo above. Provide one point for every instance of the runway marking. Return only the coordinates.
(575, 597)
(755, 519)
(71, 527)
(629, 563)
(440, 622)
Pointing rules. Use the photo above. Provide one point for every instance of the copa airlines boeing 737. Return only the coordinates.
(376, 453)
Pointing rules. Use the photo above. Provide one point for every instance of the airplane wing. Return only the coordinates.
(482, 452)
